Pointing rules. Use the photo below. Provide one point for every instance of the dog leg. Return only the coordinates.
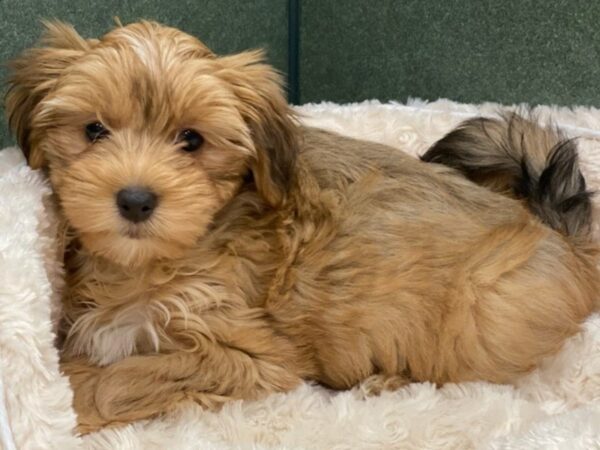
(249, 361)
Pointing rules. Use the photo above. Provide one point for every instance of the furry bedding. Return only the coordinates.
(557, 406)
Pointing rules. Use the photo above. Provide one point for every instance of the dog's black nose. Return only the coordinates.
(136, 203)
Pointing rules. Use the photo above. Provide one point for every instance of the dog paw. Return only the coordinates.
(84, 378)
(127, 396)
(376, 384)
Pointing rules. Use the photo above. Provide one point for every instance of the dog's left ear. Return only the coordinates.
(33, 75)
(272, 124)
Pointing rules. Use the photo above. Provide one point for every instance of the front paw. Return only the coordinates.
(129, 395)
(84, 378)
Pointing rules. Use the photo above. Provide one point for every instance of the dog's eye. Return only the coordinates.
(192, 139)
(95, 131)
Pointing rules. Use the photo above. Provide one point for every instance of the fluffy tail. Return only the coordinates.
(516, 156)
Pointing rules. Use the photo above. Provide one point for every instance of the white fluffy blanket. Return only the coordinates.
(557, 406)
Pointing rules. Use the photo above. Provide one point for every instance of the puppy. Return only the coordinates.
(215, 249)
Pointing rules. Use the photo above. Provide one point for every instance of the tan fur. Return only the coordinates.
(339, 261)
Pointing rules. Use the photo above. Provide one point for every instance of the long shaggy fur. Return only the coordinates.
(515, 155)
(277, 252)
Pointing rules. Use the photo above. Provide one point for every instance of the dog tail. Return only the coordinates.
(518, 157)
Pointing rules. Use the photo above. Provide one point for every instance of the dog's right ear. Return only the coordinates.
(33, 75)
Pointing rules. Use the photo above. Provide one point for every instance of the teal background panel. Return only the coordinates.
(535, 51)
(225, 26)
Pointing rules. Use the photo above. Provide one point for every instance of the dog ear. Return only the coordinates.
(33, 75)
(270, 119)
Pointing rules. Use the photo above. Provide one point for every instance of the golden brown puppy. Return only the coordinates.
(217, 250)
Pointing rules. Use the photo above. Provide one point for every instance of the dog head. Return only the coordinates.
(146, 134)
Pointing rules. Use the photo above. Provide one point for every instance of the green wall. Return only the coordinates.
(536, 51)
(226, 26)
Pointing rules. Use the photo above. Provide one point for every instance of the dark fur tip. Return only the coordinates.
(513, 153)
(561, 191)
